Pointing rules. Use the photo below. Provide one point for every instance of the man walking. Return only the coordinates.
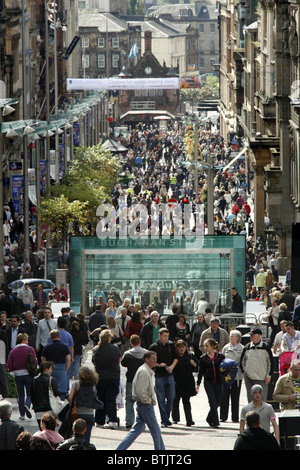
(256, 363)
(150, 330)
(255, 438)
(265, 411)
(164, 379)
(144, 394)
(58, 353)
(132, 360)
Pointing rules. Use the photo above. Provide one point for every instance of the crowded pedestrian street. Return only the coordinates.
(176, 341)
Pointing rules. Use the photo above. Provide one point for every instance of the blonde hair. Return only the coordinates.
(277, 294)
(104, 338)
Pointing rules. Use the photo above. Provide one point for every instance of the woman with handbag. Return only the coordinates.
(209, 370)
(83, 394)
(17, 365)
(106, 359)
(185, 385)
(40, 391)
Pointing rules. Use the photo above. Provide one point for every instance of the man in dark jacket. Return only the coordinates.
(132, 360)
(77, 441)
(237, 303)
(9, 430)
(149, 332)
(255, 438)
(96, 320)
(164, 379)
(30, 327)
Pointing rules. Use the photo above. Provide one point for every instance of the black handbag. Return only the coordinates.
(31, 365)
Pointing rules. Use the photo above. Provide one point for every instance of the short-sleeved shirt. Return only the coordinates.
(291, 341)
(56, 352)
(65, 338)
(266, 414)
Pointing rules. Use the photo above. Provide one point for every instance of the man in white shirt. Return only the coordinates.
(291, 339)
(144, 394)
(43, 330)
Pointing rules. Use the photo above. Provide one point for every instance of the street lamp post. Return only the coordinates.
(25, 156)
(196, 184)
(5, 109)
(210, 195)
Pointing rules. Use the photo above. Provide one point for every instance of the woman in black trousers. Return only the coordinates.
(232, 350)
(185, 386)
(209, 370)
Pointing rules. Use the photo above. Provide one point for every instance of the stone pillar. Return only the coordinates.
(259, 201)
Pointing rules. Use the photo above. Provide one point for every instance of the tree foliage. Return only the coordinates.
(88, 182)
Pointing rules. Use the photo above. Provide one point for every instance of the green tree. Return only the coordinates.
(72, 205)
(64, 217)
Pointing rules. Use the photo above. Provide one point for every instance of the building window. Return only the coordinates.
(101, 42)
(201, 62)
(101, 61)
(212, 63)
(115, 60)
(212, 28)
(115, 42)
(137, 92)
(212, 47)
(85, 42)
(85, 61)
(201, 28)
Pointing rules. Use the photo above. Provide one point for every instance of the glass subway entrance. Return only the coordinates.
(160, 272)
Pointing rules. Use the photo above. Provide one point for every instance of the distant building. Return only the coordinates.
(105, 44)
(144, 105)
(203, 17)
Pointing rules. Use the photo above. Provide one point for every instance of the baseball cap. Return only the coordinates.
(256, 331)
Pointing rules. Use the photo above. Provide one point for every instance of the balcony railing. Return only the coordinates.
(134, 105)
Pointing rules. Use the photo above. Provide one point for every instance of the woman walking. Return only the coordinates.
(185, 386)
(209, 370)
(40, 391)
(106, 359)
(232, 350)
(84, 392)
(17, 365)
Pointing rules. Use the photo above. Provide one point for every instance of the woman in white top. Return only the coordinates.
(232, 350)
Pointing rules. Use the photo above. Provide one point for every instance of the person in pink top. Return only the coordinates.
(17, 366)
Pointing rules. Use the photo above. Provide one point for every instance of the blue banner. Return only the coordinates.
(17, 193)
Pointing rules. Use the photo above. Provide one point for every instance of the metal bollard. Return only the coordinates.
(297, 442)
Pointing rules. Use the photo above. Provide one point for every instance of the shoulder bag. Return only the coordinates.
(56, 403)
(31, 364)
(74, 411)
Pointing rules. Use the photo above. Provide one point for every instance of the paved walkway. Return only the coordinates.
(176, 437)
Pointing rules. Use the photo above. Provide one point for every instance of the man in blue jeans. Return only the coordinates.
(144, 394)
(164, 379)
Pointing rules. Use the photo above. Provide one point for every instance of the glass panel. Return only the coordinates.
(171, 269)
(169, 277)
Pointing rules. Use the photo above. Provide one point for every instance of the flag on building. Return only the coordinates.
(133, 51)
